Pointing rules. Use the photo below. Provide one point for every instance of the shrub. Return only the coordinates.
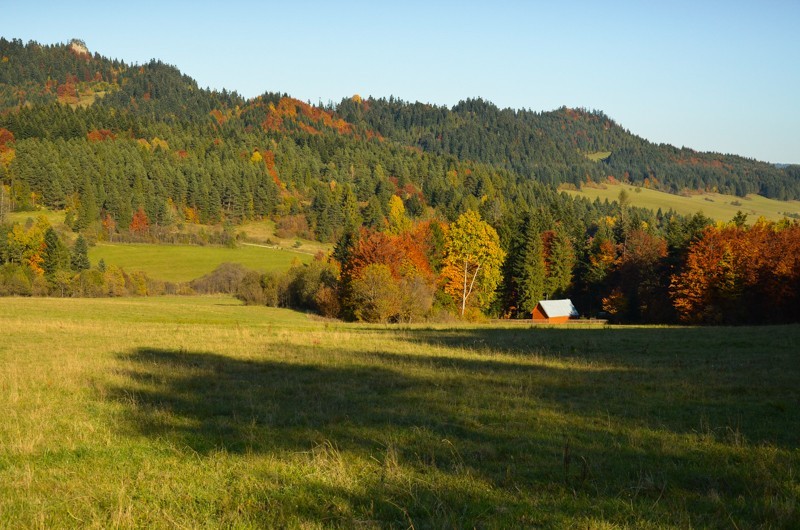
(250, 290)
(224, 279)
(15, 280)
(292, 226)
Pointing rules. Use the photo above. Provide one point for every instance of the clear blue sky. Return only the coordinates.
(714, 76)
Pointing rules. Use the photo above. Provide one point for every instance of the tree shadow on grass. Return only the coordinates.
(209, 401)
(506, 423)
(745, 381)
(324, 412)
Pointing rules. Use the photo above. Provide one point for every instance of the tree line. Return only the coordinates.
(139, 152)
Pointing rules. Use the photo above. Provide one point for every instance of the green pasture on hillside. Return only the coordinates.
(597, 156)
(263, 231)
(714, 205)
(185, 412)
(55, 218)
(186, 262)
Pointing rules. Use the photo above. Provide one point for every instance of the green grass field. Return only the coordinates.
(597, 156)
(186, 262)
(200, 412)
(54, 217)
(714, 205)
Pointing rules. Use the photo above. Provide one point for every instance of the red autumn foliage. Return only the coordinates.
(218, 116)
(405, 254)
(140, 224)
(642, 249)
(269, 160)
(290, 109)
(6, 137)
(100, 135)
(67, 93)
(736, 274)
(701, 161)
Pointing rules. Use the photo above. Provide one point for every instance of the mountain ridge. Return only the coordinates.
(63, 91)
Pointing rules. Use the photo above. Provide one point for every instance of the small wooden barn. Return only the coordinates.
(554, 311)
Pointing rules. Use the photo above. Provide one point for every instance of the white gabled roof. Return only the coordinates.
(558, 308)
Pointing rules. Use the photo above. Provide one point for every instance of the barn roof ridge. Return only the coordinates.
(559, 308)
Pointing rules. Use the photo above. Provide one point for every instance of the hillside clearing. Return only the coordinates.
(714, 205)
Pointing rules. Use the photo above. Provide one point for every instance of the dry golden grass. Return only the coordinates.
(714, 205)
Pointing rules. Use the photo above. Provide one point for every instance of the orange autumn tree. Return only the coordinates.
(140, 224)
(734, 274)
(109, 227)
(25, 246)
(7, 152)
(388, 276)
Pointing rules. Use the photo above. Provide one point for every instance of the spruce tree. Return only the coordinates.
(79, 260)
(560, 262)
(530, 268)
(55, 255)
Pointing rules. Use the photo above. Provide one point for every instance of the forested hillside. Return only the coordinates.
(134, 152)
(566, 146)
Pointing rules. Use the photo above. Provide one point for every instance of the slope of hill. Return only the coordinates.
(549, 147)
(561, 146)
(714, 205)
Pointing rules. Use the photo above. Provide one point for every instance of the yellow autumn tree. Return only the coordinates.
(25, 246)
(472, 261)
(398, 220)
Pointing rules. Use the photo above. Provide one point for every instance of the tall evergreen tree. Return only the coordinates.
(79, 259)
(55, 255)
(560, 261)
(530, 268)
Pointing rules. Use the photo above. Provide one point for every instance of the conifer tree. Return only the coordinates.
(55, 255)
(530, 271)
(79, 260)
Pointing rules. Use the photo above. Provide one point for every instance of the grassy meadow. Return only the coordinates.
(179, 263)
(263, 232)
(714, 205)
(201, 412)
(54, 217)
(261, 250)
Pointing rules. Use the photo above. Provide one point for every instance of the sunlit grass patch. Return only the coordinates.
(187, 262)
(714, 205)
(187, 411)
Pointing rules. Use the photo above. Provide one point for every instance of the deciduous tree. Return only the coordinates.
(140, 224)
(472, 261)
(376, 294)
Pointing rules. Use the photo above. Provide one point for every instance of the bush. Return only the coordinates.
(250, 291)
(89, 283)
(292, 226)
(15, 280)
(276, 289)
(224, 279)
(416, 299)
(305, 281)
